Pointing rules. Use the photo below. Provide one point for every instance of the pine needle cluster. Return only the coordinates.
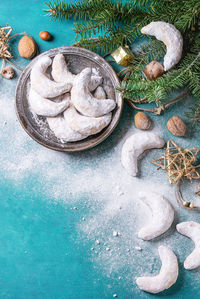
(105, 25)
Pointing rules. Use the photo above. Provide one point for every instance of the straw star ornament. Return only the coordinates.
(179, 164)
(5, 37)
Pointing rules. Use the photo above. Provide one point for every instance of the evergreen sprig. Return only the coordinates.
(105, 25)
(80, 10)
(185, 74)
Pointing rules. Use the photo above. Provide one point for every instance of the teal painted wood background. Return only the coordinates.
(54, 206)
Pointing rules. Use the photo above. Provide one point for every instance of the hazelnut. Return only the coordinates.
(8, 72)
(176, 126)
(153, 70)
(27, 47)
(45, 35)
(142, 121)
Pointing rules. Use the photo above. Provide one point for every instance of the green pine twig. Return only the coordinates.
(106, 25)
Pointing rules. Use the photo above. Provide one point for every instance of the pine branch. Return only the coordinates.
(186, 74)
(104, 14)
(58, 9)
(188, 20)
(158, 89)
(101, 44)
(193, 113)
(108, 24)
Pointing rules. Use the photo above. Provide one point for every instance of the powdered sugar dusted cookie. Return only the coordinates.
(191, 230)
(86, 125)
(134, 146)
(167, 276)
(95, 80)
(100, 93)
(42, 84)
(46, 107)
(62, 130)
(108, 89)
(60, 73)
(162, 215)
(171, 37)
(84, 101)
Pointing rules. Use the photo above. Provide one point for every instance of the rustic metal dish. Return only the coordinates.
(37, 127)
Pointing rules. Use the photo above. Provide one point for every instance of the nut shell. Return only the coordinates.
(27, 47)
(176, 126)
(8, 72)
(45, 35)
(153, 70)
(142, 121)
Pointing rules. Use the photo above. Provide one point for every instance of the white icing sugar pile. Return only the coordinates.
(114, 212)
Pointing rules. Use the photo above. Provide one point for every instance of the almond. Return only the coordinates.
(27, 47)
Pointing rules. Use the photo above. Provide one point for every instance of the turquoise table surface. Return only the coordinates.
(58, 211)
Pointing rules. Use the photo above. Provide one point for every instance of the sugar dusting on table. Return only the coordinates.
(114, 212)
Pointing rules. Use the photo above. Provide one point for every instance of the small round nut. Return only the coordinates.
(45, 35)
(142, 121)
(153, 70)
(176, 126)
(8, 72)
(27, 47)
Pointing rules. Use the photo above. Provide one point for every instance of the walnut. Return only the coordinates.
(176, 126)
(142, 121)
(153, 70)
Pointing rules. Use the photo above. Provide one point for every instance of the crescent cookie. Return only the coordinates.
(61, 73)
(162, 215)
(167, 276)
(44, 86)
(171, 37)
(134, 146)
(86, 125)
(45, 107)
(62, 131)
(84, 101)
(191, 230)
(100, 93)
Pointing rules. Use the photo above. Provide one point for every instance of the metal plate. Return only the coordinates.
(37, 127)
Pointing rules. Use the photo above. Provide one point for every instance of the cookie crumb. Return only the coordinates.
(115, 234)
(138, 248)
